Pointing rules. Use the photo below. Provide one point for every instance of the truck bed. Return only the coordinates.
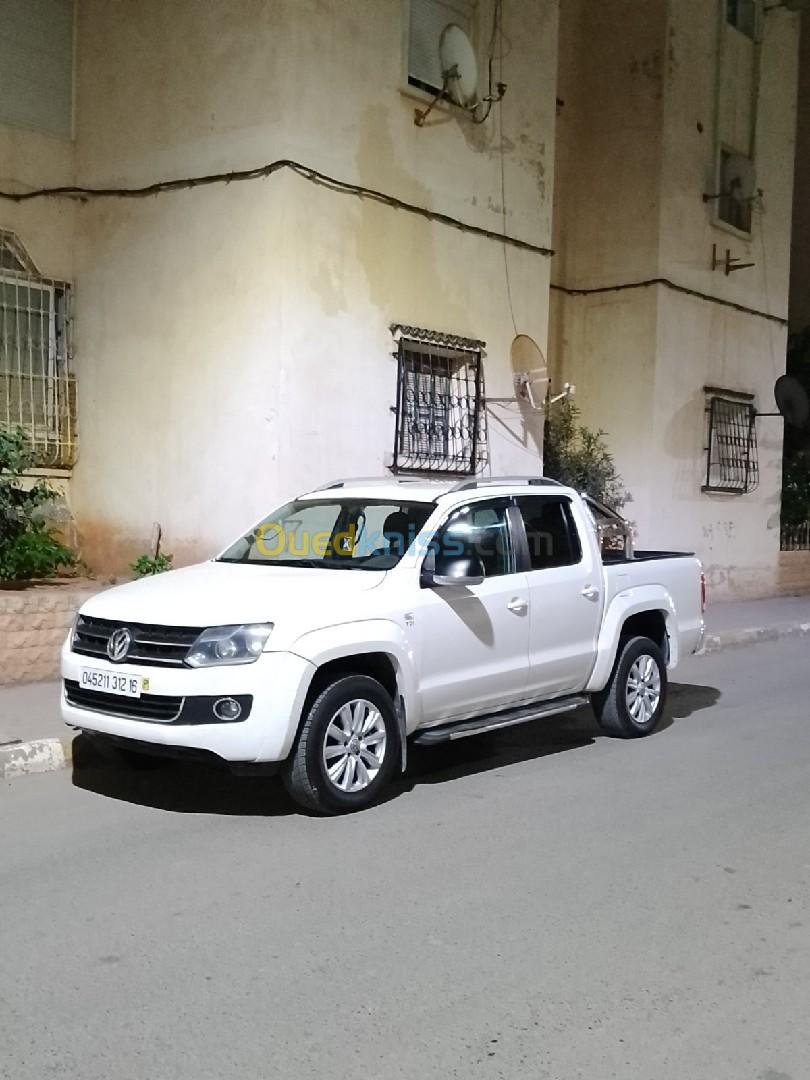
(611, 558)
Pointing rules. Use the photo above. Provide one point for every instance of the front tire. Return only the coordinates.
(632, 703)
(347, 748)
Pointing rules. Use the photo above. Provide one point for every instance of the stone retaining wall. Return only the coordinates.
(33, 624)
(794, 572)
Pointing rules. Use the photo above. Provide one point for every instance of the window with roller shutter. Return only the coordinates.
(426, 20)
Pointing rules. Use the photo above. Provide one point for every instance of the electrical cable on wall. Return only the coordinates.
(314, 176)
(497, 32)
(667, 283)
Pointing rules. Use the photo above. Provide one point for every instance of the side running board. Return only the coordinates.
(460, 729)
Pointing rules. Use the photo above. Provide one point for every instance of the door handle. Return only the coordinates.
(518, 605)
(590, 592)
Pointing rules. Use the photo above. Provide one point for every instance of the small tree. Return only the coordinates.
(28, 548)
(580, 458)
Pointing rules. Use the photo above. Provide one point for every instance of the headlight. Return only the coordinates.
(229, 645)
(73, 628)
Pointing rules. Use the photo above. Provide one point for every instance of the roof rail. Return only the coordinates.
(499, 481)
(371, 480)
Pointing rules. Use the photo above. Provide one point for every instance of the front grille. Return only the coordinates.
(146, 707)
(166, 646)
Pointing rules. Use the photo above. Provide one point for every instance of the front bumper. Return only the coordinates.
(277, 682)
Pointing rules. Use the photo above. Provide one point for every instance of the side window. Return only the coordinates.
(483, 528)
(550, 531)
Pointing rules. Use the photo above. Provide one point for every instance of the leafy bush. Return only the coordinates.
(145, 565)
(796, 490)
(796, 451)
(28, 548)
(579, 457)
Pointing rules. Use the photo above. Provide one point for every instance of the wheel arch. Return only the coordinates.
(377, 649)
(646, 612)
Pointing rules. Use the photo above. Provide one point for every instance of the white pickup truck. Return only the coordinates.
(368, 613)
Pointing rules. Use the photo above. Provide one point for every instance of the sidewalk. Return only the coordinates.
(743, 622)
(33, 739)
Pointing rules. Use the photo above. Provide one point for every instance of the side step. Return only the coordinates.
(460, 729)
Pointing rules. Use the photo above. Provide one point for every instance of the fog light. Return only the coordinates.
(227, 708)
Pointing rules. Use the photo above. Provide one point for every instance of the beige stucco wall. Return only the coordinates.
(232, 341)
(28, 161)
(640, 358)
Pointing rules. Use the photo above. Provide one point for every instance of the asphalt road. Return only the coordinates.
(544, 903)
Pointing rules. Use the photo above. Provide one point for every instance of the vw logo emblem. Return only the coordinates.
(118, 645)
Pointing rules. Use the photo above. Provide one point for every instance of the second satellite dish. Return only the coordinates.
(791, 400)
(459, 66)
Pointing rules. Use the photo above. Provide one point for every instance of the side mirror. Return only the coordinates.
(466, 569)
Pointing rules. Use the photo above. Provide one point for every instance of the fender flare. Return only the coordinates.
(635, 601)
(339, 642)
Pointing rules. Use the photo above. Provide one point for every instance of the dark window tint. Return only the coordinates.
(550, 532)
(483, 529)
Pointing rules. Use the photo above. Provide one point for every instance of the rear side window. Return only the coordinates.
(550, 531)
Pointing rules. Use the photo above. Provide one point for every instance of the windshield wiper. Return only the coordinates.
(307, 564)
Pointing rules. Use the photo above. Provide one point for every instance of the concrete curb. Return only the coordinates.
(48, 755)
(36, 756)
(729, 639)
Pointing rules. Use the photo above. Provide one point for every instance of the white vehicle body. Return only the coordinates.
(445, 654)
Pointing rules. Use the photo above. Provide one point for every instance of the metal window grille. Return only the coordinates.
(732, 463)
(440, 414)
(37, 386)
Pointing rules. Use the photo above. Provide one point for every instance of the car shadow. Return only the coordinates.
(184, 787)
(192, 787)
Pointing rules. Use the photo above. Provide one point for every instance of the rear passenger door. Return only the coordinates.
(565, 599)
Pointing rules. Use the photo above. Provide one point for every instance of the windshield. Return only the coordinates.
(334, 534)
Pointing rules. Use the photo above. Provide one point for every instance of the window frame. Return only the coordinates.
(45, 402)
(505, 502)
(464, 443)
(735, 22)
(719, 437)
(416, 91)
(724, 151)
(573, 532)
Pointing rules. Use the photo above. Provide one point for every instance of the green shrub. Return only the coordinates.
(28, 548)
(796, 490)
(145, 565)
(796, 449)
(580, 458)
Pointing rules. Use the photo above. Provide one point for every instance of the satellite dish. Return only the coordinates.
(739, 179)
(530, 371)
(459, 66)
(791, 400)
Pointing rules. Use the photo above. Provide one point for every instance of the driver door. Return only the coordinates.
(474, 641)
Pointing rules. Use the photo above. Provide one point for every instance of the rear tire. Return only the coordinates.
(347, 748)
(632, 703)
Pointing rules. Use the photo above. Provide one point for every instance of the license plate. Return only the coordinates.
(111, 682)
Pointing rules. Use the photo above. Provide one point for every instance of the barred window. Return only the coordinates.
(440, 415)
(732, 463)
(37, 388)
